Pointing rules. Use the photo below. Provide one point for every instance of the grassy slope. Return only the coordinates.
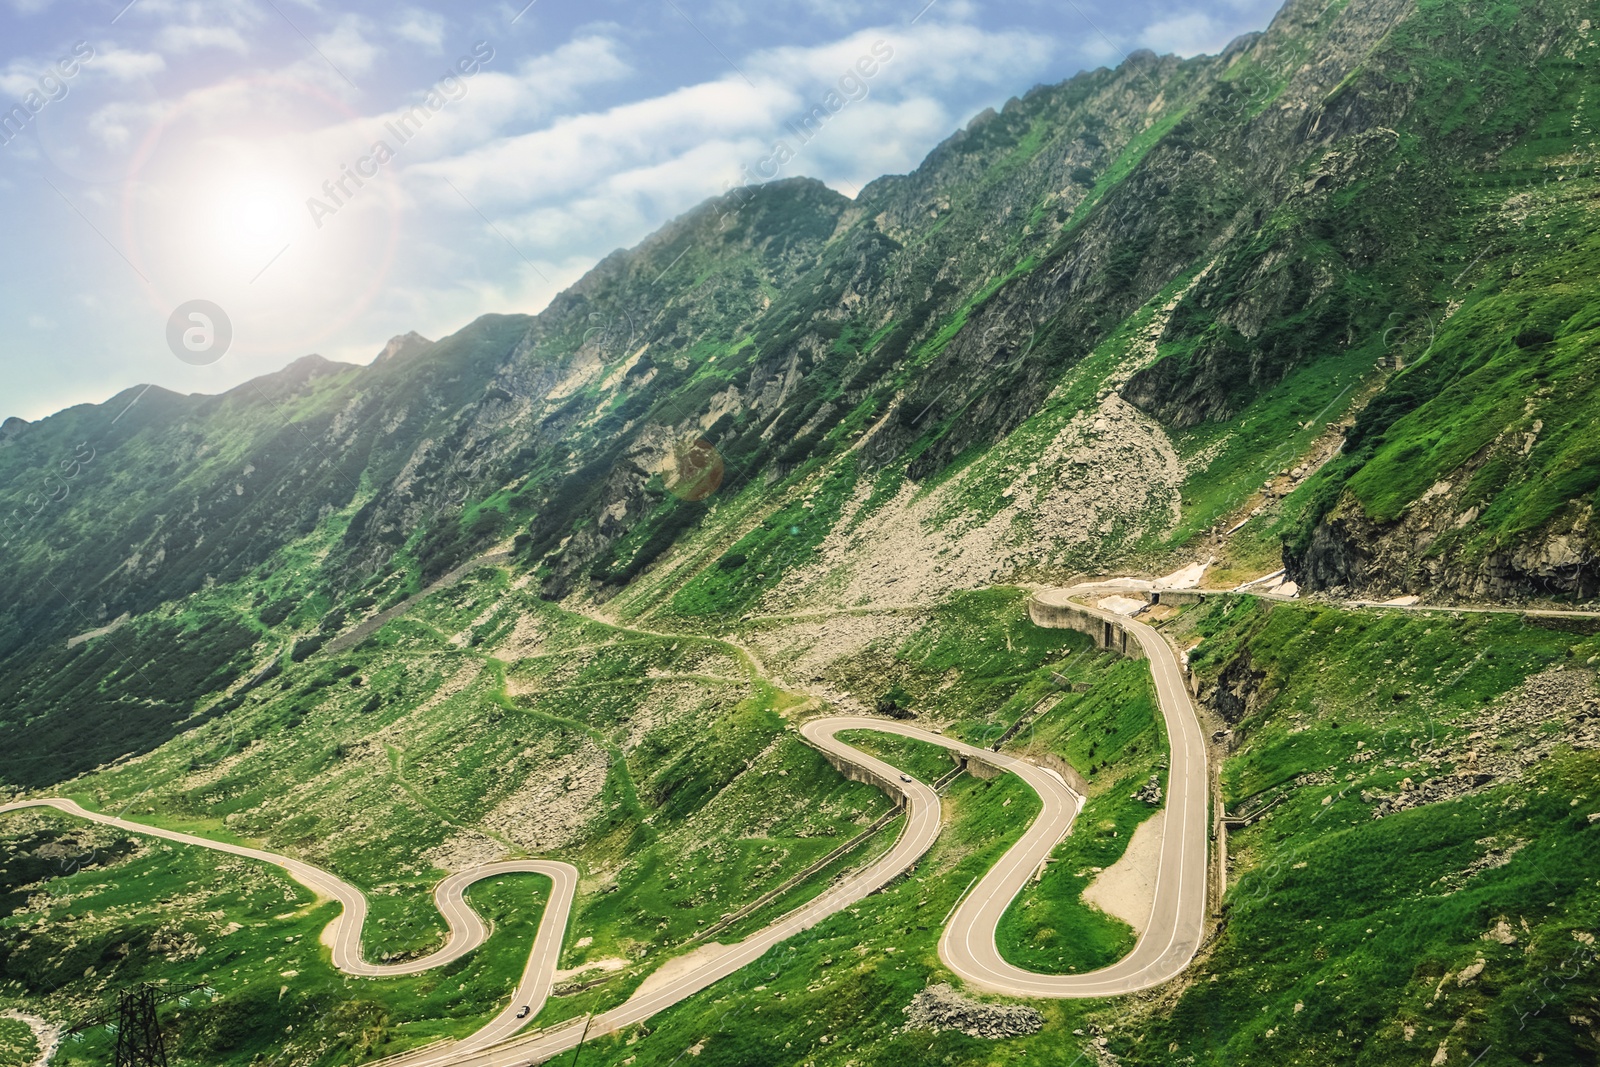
(1341, 928)
(270, 971)
(439, 771)
(1502, 343)
(18, 1048)
(1113, 734)
(834, 994)
(1322, 667)
(483, 727)
(680, 834)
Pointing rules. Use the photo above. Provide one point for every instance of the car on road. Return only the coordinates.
(905, 778)
(523, 1014)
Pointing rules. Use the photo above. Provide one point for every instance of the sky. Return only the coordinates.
(197, 192)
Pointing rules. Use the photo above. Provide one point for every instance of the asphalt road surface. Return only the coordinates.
(343, 934)
(967, 945)
(1177, 918)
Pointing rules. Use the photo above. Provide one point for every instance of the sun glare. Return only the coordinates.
(246, 217)
(215, 208)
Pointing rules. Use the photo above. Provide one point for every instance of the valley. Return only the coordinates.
(737, 661)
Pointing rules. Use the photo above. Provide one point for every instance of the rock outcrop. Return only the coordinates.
(940, 1007)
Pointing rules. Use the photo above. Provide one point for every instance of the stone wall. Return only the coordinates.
(858, 773)
(1107, 632)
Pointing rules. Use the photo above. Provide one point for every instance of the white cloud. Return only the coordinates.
(347, 45)
(183, 39)
(731, 122)
(875, 138)
(587, 147)
(500, 97)
(21, 76)
(574, 189)
(1186, 35)
(577, 152)
(493, 101)
(420, 27)
(123, 64)
(40, 322)
(1097, 51)
(182, 26)
(19, 79)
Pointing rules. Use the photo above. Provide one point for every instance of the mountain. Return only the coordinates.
(1321, 303)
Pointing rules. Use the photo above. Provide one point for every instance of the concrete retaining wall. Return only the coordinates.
(1107, 633)
(861, 774)
(1067, 772)
(976, 766)
(1179, 597)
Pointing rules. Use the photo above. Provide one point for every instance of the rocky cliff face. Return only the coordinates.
(1237, 690)
(1349, 554)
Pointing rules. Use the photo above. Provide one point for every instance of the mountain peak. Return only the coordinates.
(402, 346)
(10, 429)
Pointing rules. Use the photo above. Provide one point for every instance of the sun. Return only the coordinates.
(215, 207)
(244, 216)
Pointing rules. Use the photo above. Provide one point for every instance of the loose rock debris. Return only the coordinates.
(940, 1007)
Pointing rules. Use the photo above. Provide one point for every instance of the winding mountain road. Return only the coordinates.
(967, 945)
(1177, 919)
(343, 934)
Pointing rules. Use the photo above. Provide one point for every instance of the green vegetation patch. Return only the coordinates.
(758, 561)
(18, 1046)
(1357, 931)
(250, 935)
(835, 993)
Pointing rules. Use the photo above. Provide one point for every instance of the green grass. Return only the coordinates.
(1522, 403)
(1357, 921)
(1381, 679)
(18, 1048)
(840, 981)
(923, 761)
(1049, 929)
(1270, 435)
(685, 831)
(1114, 735)
(1337, 934)
(758, 561)
(1113, 729)
(693, 795)
(1124, 165)
(978, 664)
(175, 915)
(1350, 922)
